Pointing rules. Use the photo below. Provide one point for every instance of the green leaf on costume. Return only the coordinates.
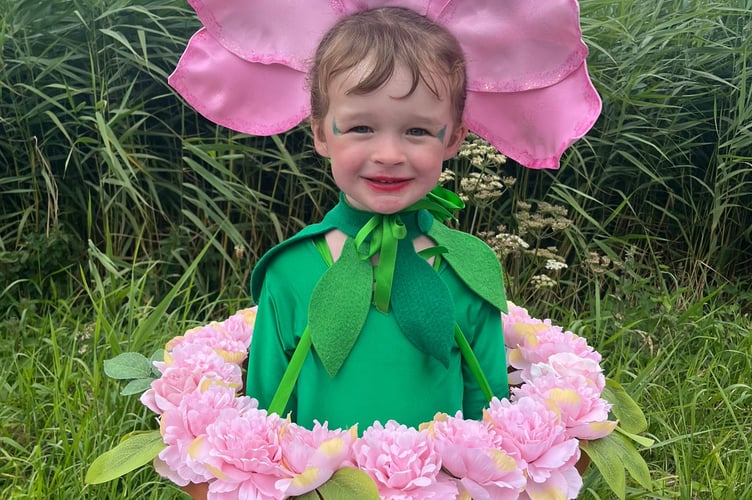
(339, 306)
(609, 464)
(426, 319)
(133, 451)
(482, 274)
(128, 365)
(345, 484)
(624, 408)
(136, 386)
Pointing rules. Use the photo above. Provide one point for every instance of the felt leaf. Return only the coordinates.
(133, 451)
(128, 365)
(609, 464)
(345, 484)
(624, 408)
(339, 306)
(481, 273)
(426, 319)
(136, 386)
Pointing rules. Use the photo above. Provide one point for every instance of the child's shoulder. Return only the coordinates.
(291, 258)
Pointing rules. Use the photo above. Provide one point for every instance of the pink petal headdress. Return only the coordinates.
(529, 93)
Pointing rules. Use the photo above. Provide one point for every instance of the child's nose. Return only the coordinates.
(388, 151)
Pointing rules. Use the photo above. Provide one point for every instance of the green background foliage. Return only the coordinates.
(113, 191)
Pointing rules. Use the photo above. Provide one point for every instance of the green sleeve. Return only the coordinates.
(269, 354)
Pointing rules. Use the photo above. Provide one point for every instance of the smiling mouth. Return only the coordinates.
(386, 180)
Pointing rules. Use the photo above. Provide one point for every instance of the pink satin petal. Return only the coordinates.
(515, 45)
(536, 126)
(269, 31)
(253, 98)
(353, 6)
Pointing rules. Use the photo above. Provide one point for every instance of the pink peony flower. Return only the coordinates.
(561, 484)
(183, 372)
(214, 335)
(540, 343)
(239, 326)
(567, 364)
(242, 450)
(470, 451)
(515, 317)
(312, 456)
(167, 391)
(569, 388)
(403, 462)
(534, 433)
(183, 424)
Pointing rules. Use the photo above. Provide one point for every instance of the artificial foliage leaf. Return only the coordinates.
(339, 306)
(136, 386)
(624, 408)
(641, 440)
(481, 273)
(606, 458)
(345, 484)
(128, 365)
(133, 451)
(158, 355)
(632, 460)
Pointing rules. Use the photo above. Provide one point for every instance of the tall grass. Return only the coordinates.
(95, 146)
(671, 157)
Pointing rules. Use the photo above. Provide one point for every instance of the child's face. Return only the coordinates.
(386, 151)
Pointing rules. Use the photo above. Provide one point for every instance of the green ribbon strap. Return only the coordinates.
(384, 232)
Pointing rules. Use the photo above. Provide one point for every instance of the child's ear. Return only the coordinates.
(319, 138)
(455, 141)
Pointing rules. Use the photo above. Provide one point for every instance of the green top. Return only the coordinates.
(386, 373)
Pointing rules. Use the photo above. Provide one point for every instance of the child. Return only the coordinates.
(387, 90)
(380, 311)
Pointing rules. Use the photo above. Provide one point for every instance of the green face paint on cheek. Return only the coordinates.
(442, 133)
(335, 130)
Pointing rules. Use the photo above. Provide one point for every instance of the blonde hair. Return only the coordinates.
(387, 37)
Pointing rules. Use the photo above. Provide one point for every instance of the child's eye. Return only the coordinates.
(417, 132)
(360, 129)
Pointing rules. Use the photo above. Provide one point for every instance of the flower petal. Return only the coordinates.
(280, 31)
(592, 430)
(536, 126)
(254, 98)
(419, 6)
(516, 45)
